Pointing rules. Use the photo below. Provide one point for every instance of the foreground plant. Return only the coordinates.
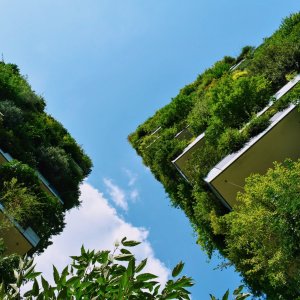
(98, 275)
(237, 294)
(103, 275)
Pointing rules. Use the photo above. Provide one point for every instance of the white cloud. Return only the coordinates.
(134, 194)
(132, 177)
(96, 225)
(116, 193)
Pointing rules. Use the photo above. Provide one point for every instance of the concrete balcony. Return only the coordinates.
(45, 185)
(16, 239)
(182, 161)
(281, 140)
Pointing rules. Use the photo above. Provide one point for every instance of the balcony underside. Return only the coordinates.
(14, 240)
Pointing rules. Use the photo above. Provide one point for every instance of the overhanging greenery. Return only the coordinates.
(37, 142)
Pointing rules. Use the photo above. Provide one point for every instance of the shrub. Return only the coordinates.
(257, 125)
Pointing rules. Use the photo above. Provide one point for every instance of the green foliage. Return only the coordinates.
(19, 202)
(263, 232)
(36, 141)
(233, 101)
(279, 54)
(223, 103)
(229, 103)
(231, 140)
(257, 125)
(7, 266)
(237, 294)
(21, 194)
(32, 136)
(99, 275)
(293, 96)
(246, 52)
(13, 115)
(15, 87)
(22, 172)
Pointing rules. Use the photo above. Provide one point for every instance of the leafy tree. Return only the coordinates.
(246, 52)
(263, 232)
(233, 101)
(13, 115)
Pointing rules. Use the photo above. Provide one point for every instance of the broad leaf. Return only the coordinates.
(177, 270)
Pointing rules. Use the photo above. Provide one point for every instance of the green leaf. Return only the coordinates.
(35, 288)
(16, 274)
(33, 275)
(125, 251)
(73, 280)
(226, 295)
(141, 266)
(181, 282)
(145, 277)
(123, 257)
(55, 275)
(64, 275)
(82, 250)
(238, 290)
(45, 284)
(103, 257)
(243, 296)
(131, 267)
(122, 285)
(172, 295)
(29, 271)
(63, 294)
(130, 243)
(177, 270)
(156, 290)
(2, 291)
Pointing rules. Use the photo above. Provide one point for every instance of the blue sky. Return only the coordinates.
(104, 67)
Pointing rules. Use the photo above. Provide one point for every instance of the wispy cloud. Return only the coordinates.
(116, 193)
(132, 177)
(97, 225)
(134, 195)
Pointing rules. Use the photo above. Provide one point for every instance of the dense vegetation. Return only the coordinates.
(32, 136)
(223, 102)
(37, 142)
(263, 232)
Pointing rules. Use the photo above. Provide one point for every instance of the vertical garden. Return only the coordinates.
(37, 146)
(260, 237)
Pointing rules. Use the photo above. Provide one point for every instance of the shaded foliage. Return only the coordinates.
(36, 141)
(22, 195)
(34, 137)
